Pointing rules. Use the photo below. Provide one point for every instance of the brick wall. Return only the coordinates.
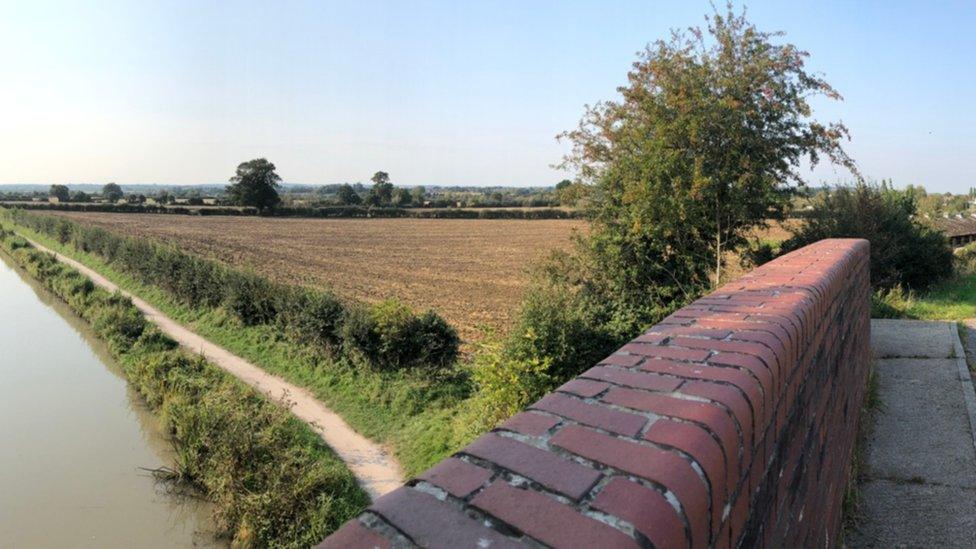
(730, 423)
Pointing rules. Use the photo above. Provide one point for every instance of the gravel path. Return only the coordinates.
(375, 469)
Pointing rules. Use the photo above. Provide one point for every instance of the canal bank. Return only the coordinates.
(271, 478)
(77, 438)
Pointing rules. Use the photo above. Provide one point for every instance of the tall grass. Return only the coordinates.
(273, 481)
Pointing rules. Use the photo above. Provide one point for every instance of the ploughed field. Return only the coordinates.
(471, 271)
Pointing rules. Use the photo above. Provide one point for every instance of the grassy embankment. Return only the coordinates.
(273, 481)
(421, 417)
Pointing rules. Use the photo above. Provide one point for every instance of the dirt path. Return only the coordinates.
(375, 469)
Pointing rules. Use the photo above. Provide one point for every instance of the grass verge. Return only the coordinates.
(273, 481)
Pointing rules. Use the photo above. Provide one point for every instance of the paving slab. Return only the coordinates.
(913, 339)
(919, 483)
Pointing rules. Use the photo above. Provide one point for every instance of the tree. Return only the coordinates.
(255, 184)
(705, 144)
(346, 195)
(418, 194)
(80, 196)
(403, 197)
(112, 192)
(382, 192)
(60, 192)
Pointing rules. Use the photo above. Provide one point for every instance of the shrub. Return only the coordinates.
(250, 297)
(312, 317)
(506, 385)
(390, 337)
(903, 251)
(964, 259)
(554, 326)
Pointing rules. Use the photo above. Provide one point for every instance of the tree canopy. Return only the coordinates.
(705, 143)
(112, 192)
(60, 192)
(255, 184)
(381, 194)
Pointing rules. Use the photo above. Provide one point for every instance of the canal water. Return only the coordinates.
(75, 439)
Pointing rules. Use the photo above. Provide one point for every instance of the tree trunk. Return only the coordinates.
(718, 247)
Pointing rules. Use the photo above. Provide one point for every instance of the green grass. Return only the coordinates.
(950, 299)
(421, 419)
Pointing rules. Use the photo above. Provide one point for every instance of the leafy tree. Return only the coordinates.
(80, 196)
(403, 197)
(112, 192)
(60, 192)
(904, 252)
(705, 144)
(382, 192)
(418, 194)
(255, 184)
(346, 195)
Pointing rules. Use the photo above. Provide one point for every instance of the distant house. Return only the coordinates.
(209, 201)
(53, 199)
(960, 230)
(182, 201)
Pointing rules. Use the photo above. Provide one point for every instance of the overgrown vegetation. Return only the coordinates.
(904, 252)
(704, 146)
(273, 481)
(413, 404)
(386, 336)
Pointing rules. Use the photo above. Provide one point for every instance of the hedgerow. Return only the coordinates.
(383, 336)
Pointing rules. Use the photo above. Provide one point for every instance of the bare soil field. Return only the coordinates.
(470, 271)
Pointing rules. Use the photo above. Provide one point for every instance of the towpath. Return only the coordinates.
(375, 469)
(919, 486)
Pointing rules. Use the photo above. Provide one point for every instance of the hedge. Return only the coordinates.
(387, 335)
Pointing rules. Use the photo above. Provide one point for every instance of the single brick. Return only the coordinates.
(458, 477)
(545, 519)
(660, 466)
(529, 424)
(631, 378)
(699, 444)
(555, 473)
(429, 522)
(594, 415)
(583, 387)
(664, 351)
(355, 536)
(622, 359)
(646, 509)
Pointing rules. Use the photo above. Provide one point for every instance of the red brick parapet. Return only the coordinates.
(730, 423)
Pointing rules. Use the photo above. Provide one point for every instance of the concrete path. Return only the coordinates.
(920, 487)
(375, 469)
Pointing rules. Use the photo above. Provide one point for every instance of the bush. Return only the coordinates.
(311, 317)
(964, 259)
(904, 252)
(390, 337)
(250, 297)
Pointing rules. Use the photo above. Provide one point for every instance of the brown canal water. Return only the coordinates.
(75, 438)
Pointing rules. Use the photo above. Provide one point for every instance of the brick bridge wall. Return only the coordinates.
(730, 423)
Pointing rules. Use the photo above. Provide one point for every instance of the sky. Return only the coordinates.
(435, 93)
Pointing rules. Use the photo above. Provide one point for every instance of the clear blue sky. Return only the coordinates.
(432, 92)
